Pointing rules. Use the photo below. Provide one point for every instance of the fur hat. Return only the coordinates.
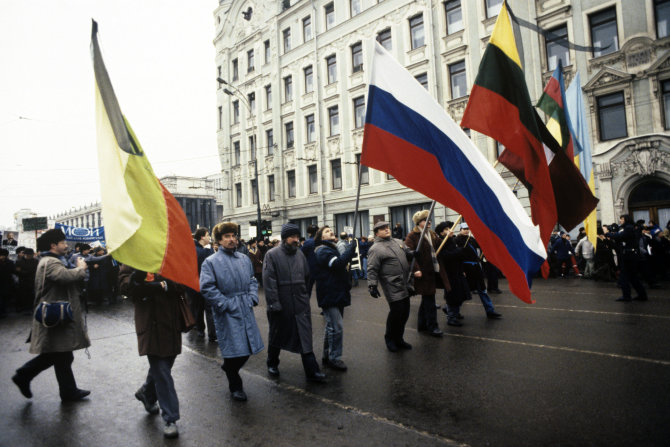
(224, 228)
(419, 216)
(289, 229)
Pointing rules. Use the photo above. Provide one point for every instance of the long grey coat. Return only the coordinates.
(388, 266)
(55, 282)
(227, 282)
(285, 279)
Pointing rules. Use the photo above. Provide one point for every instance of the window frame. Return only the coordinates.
(385, 36)
(236, 111)
(254, 187)
(336, 174)
(268, 97)
(329, 13)
(238, 195)
(270, 140)
(359, 106)
(289, 131)
(235, 69)
(237, 153)
(286, 38)
(665, 100)
(420, 79)
(451, 6)
(290, 184)
(656, 21)
(250, 61)
(351, 7)
(312, 171)
(488, 8)
(554, 42)
(267, 51)
(331, 62)
(309, 87)
(414, 27)
(310, 128)
(364, 171)
(333, 121)
(271, 188)
(601, 109)
(357, 52)
(307, 26)
(455, 74)
(592, 18)
(288, 89)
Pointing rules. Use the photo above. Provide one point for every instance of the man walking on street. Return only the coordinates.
(202, 311)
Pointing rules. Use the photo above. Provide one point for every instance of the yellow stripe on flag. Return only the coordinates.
(503, 36)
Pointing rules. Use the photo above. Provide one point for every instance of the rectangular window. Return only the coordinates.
(336, 173)
(355, 6)
(236, 153)
(665, 86)
(334, 120)
(290, 180)
(250, 61)
(287, 39)
(313, 179)
(662, 14)
(331, 63)
(457, 79)
(220, 117)
(307, 28)
(236, 73)
(603, 32)
(238, 194)
(254, 192)
(330, 15)
(268, 97)
(251, 97)
(288, 128)
(359, 112)
(365, 174)
(384, 39)
(557, 47)
(423, 79)
(309, 79)
(416, 31)
(270, 141)
(612, 116)
(493, 8)
(309, 128)
(271, 188)
(288, 89)
(252, 148)
(454, 15)
(266, 48)
(357, 57)
(236, 112)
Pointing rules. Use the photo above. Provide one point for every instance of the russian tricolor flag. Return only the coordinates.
(410, 136)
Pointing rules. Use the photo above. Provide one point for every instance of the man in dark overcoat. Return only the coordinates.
(286, 278)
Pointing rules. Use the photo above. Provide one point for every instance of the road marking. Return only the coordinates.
(560, 309)
(342, 406)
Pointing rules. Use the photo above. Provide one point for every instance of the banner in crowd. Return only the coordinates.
(81, 234)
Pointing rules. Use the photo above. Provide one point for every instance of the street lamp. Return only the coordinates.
(239, 94)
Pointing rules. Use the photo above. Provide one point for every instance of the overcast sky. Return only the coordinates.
(160, 58)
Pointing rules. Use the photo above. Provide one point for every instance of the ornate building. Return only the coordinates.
(291, 97)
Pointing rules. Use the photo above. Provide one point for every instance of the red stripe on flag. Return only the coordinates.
(553, 89)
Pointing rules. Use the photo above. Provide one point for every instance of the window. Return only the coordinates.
(220, 117)
(313, 179)
(236, 73)
(359, 112)
(288, 128)
(330, 15)
(365, 174)
(288, 89)
(557, 47)
(457, 79)
(423, 79)
(384, 39)
(416, 31)
(307, 28)
(254, 192)
(454, 15)
(236, 153)
(238, 194)
(493, 8)
(662, 14)
(250, 61)
(271, 188)
(309, 79)
(268, 97)
(334, 120)
(355, 6)
(612, 116)
(290, 180)
(336, 173)
(287, 40)
(266, 48)
(309, 128)
(357, 57)
(251, 97)
(236, 112)
(252, 148)
(665, 88)
(270, 141)
(604, 32)
(331, 63)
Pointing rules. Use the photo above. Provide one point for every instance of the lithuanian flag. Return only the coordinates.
(552, 103)
(145, 227)
(500, 107)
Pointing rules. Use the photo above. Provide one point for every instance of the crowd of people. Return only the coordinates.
(289, 270)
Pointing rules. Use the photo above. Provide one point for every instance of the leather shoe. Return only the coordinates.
(391, 346)
(493, 315)
(239, 395)
(404, 345)
(454, 322)
(151, 407)
(435, 333)
(623, 298)
(77, 395)
(273, 371)
(317, 377)
(337, 365)
(23, 384)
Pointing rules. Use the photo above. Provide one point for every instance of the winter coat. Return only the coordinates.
(55, 282)
(256, 261)
(388, 266)
(227, 282)
(452, 257)
(202, 253)
(471, 264)
(157, 315)
(308, 251)
(429, 280)
(585, 248)
(99, 276)
(333, 281)
(285, 279)
(562, 248)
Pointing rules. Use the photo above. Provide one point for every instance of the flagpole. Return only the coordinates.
(358, 196)
(416, 251)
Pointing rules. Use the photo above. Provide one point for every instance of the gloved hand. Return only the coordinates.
(374, 291)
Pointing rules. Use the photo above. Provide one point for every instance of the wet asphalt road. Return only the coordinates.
(575, 368)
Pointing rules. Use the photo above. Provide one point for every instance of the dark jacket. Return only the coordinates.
(285, 278)
(256, 260)
(388, 266)
(471, 263)
(333, 281)
(202, 253)
(429, 280)
(452, 257)
(562, 248)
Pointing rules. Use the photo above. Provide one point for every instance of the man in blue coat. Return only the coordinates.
(227, 282)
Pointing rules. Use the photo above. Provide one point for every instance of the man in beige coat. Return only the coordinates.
(54, 345)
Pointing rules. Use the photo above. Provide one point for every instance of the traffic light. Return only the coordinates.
(266, 228)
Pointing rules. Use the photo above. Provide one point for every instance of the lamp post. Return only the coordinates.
(239, 94)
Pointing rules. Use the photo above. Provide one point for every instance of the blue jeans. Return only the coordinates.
(364, 273)
(333, 335)
(159, 385)
(486, 301)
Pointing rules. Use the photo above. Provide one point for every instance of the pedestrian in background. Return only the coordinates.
(256, 258)
(7, 289)
(585, 250)
(26, 268)
(308, 251)
(628, 250)
(201, 309)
